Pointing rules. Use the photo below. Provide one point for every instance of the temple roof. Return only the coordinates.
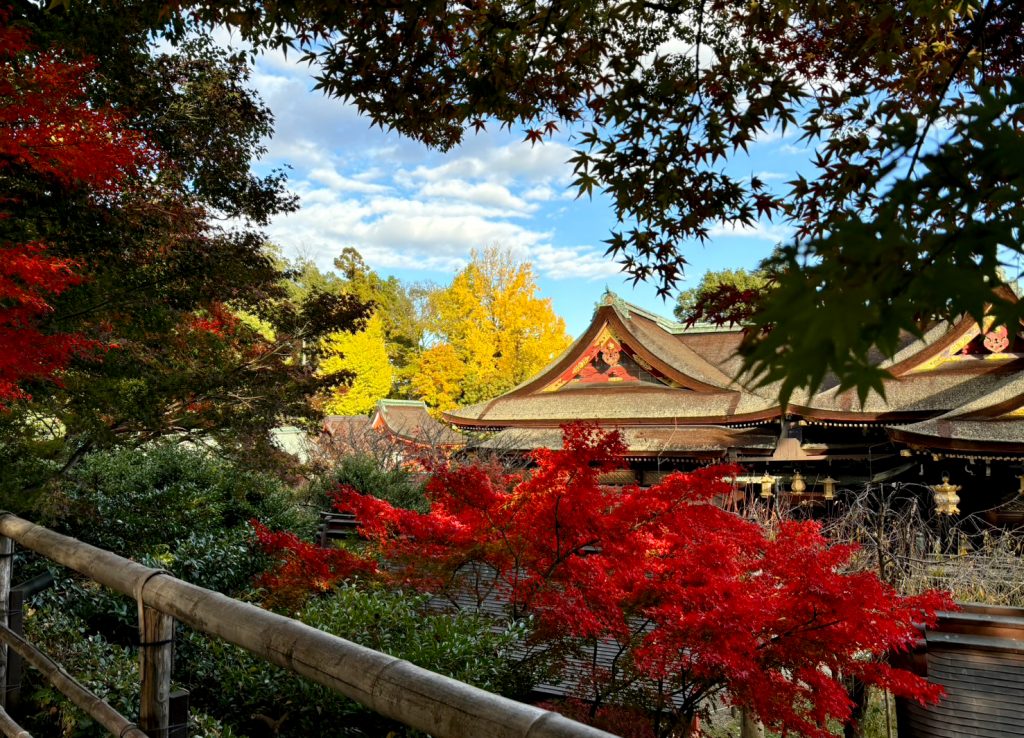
(709, 440)
(630, 365)
(633, 369)
(403, 420)
(410, 421)
(992, 422)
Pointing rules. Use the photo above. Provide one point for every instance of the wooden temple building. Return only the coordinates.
(954, 407)
(402, 430)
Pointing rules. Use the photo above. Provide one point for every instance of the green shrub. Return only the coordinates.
(249, 695)
(135, 501)
(397, 485)
(109, 671)
(463, 646)
(32, 450)
(230, 682)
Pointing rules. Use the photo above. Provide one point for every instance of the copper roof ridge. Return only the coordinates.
(673, 327)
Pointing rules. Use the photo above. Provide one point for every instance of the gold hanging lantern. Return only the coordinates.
(1021, 490)
(830, 487)
(767, 482)
(798, 485)
(945, 497)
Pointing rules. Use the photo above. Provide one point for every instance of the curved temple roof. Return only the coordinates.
(632, 368)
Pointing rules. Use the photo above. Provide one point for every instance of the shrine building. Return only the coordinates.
(954, 408)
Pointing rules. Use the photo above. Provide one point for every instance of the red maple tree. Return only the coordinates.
(51, 134)
(301, 568)
(685, 601)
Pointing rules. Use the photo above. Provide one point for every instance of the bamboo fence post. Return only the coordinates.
(13, 673)
(6, 573)
(156, 653)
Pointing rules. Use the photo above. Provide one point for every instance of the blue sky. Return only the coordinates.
(416, 213)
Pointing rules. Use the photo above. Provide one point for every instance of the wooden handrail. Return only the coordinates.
(10, 728)
(92, 705)
(392, 687)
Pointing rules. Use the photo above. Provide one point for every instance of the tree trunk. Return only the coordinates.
(750, 726)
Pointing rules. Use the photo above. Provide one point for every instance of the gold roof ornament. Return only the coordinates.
(945, 497)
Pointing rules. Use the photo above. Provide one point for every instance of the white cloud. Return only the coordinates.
(773, 176)
(579, 262)
(404, 206)
(540, 193)
(544, 162)
(395, 232)
(340, 183)
(483, 193)
(796, 150)
(775, 135)
(762, 231)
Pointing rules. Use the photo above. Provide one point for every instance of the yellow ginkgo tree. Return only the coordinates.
(492, 332)
(363, 358)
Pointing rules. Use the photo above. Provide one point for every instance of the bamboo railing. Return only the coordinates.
(394, 688)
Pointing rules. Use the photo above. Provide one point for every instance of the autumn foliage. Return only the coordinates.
(690, 600)
(48, 131)
(301, 568)
(493, 332)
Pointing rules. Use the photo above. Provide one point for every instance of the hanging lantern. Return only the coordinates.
(1021, 491)
(798, 485)
(830, 487)
(945, 497)
(767, 482)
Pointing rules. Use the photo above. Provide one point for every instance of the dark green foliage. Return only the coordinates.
(162, 271)
(169, 498)
(688, 302)
(462, 646)
(229, 681)
(371, 476)
(959, 216)
(109, 670)
(29, 454)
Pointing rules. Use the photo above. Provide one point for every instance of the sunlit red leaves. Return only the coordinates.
(773, 620)
(302, 568)
(48, 127)
(216, 321)
(28, 279)
(49, 131)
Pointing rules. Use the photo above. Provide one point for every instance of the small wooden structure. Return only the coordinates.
(394, 688)
(403, 428)
(977, 655)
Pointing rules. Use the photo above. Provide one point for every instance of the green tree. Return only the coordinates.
(492, 330)
(910, 110)
(689, 303)
(364, 356)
